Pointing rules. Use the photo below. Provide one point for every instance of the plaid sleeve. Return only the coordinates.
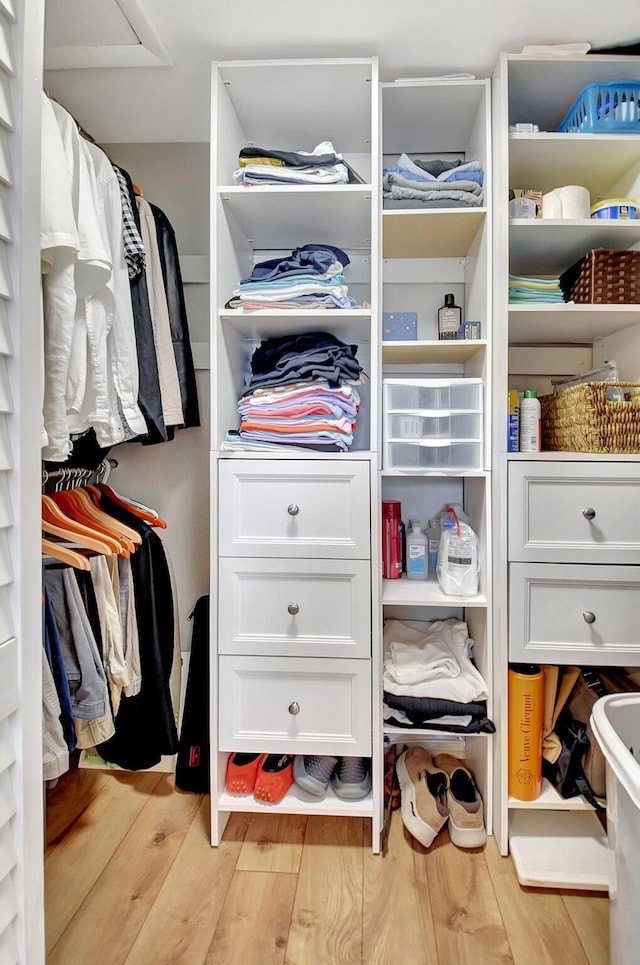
(134, 252)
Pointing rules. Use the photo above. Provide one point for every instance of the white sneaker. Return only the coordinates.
(466, 818)
(423, 794)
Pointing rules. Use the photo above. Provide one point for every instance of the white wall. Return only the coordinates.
(174, 477)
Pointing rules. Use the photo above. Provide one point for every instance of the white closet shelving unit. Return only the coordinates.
(551, 581)
(292, 531)
(427, 253)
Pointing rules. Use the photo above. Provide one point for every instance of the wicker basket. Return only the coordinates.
(603, 277)
(582, 419)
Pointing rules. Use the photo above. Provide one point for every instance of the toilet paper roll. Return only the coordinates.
(551, 205)
(575, 201)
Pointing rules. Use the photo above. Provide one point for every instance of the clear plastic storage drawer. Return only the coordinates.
(433, 424)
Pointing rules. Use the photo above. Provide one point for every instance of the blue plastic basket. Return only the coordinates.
(609, 108)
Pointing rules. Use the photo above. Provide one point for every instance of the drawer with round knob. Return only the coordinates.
(299, 705)
(303, 508)
(311, 608)
(571, 512)
(574, 614)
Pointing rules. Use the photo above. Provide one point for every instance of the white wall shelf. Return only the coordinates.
(549, 160)
(549, 247)
(406, 592)
(434, 233)
(551, 800)
(569, 323)
(431, 351)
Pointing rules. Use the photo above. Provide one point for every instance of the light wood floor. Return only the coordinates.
(131, 878)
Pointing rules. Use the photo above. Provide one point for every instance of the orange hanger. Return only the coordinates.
(77, 504)
(138, 190)
(92, 506)
(65, 555)
(55, 522)
(136, 509)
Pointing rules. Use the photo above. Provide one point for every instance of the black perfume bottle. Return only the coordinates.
(449, 318)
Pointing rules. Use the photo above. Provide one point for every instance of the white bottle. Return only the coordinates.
(530, 426)
(417, 559)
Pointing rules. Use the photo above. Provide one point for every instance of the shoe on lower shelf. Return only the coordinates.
(351, 778)
(423, 790)
(242, 770)
(275, 777)
(466, 817)
(313, 772)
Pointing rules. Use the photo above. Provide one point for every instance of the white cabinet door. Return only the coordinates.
(574, 512)
(574, 614)
(298, 705)
(309, 509)
(311, 608)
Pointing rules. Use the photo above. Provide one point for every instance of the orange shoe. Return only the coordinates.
(275, 777)
(242, 770)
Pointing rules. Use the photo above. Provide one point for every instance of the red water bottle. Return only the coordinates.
(391, 541)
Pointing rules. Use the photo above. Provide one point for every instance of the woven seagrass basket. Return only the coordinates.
(603, 277)
(582, 419)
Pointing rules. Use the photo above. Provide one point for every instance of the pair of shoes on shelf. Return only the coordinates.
(267, 776)
(438, 790)
(350, 777)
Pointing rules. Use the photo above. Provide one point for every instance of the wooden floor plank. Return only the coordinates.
(107, 923)
(397, 913)
(182, 922)
(67, 800)
(326, 926)
(273, 843)
(468, 925)
(589, 913)
(536, 919)
(254, 920)
(76, 863)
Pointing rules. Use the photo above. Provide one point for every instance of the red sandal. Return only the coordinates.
(242, 770)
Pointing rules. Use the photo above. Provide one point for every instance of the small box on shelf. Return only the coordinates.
(470, 330)
(399, 326)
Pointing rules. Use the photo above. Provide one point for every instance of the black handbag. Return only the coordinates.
(567, 774)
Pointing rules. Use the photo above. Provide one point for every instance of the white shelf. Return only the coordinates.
(297, 801)
(352, 325)
(433, 233)
(569, 323)
(547, 160)
(424, 351)
(548, 247)
(289, 453)
(566, 456)
(443, 114)
(406, 592)
(282, 218)
(551, 800)
(559, 849)
(419, 735)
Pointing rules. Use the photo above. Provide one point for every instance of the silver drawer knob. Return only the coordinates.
(588, 616)
(293, 510)
(293, 608)
(589, 513)
(294, 708)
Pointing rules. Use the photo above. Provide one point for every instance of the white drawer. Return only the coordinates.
(574, 512)
(311, 608)
(259, 697)
(551, 608)
(305, 509)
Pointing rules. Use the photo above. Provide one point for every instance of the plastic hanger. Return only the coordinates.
(65, 555)
(77, 504)
(55, 522)
(137, 509)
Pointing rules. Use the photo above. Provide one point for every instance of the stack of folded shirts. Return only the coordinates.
(432, 184)
(301, 393)
(430, 680)
(310, 277)
(259, 165)
(525, 291)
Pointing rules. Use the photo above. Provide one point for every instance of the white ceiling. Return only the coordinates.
(419, 38)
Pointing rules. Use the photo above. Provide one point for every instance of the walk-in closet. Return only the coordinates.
(272, 284)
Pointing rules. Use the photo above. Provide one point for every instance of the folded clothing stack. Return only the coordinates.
(525, 291)
(301, 393)
(259, 165)
(432, 184)
(430, 679)
(310, 277)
